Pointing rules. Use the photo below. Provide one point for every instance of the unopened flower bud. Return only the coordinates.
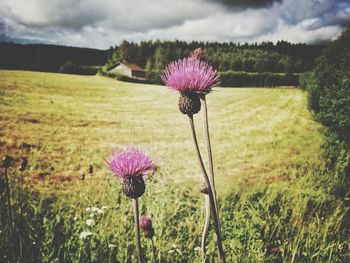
(204, 189)
(134, 186)
(146, 226)
(145, 222)
(149, 233)
(23, 165)
(91, 168)
(198, 53)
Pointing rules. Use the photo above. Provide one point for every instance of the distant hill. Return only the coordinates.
(49, 58)
(7, 39)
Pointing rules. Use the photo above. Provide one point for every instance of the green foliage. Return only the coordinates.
(71, 68)
(265, 79)
(281, 57)
(283, 222)
(329, 87)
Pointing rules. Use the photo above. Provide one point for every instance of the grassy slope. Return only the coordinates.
(73, 120)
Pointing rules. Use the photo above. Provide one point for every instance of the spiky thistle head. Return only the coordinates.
(130, 164)
(190, 75)
(129, 161)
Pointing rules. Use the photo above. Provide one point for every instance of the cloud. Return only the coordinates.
(246, 3)
(107, 22)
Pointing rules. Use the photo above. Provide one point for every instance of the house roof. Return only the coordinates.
(133, 66)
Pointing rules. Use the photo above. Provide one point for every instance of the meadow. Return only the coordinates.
(267, 153)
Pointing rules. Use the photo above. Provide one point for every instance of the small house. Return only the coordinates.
(128, 69)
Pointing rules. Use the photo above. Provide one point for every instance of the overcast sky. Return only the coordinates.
(104, 23)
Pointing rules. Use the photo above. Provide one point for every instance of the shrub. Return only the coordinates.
(71, 68)
(329, 87)
(265, 79)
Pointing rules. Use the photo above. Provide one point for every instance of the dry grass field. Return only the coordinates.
(66, 122)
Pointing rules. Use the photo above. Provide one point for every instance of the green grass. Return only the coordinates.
(266, 148)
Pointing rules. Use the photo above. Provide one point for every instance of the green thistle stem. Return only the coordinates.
(212, 180)
(137, 229)
(20, 217)
(207, 139)
(154, 251)
(210, 193)
(205, 228)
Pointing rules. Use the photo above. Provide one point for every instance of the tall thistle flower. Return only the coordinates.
(194, 78)
(191, 77)
(130, 165)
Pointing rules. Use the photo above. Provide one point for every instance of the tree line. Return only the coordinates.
(50, 58)
(233, 60)
(238, 64)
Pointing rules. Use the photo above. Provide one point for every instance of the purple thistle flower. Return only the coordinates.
(190, 75)
(145, 222)
(129, 162)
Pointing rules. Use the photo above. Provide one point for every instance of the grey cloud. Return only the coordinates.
(136, 15)
(294, 11)
(107, 22)
(246, 3)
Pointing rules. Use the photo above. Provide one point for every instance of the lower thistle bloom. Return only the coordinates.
(191, 77)
(130, 164)
(146, 226)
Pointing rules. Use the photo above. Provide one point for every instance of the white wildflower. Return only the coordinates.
(85, 234)
(89, 222)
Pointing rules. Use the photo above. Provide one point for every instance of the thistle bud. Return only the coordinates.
(91, 168)
(134, 186)
(189, 103)
(204, 189)
(23, 165)
(149, 233)
(146, 226)
(145, 222)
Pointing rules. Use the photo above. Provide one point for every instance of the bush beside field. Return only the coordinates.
(328, 86)
(265, 79)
